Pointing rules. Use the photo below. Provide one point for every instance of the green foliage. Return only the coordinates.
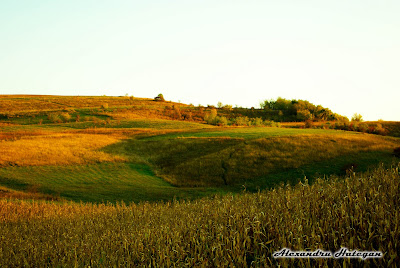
(362, 127)
(160, 97)
(210, 116)
(258, 122)
(220, 121)
(304, 115)
(297, 110)
(241, 121)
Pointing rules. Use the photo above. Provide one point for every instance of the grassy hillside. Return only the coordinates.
(359, 212)
(236, 157)
(99, 149)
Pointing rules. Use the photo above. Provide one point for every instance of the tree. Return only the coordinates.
(304, 115)
(159, 97)
(357, 117)
(210, 116)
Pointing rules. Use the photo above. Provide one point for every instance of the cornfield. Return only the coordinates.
(360, 212)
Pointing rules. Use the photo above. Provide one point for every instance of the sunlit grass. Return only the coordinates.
(247, 133)
(57, 149)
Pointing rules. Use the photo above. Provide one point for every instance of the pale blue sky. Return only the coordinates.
(344, 55)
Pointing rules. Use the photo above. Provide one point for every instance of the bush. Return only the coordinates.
(362, 128)
(187, 116)
(304, 115)
(257, 122)
(210, 116)
(357, 117)
(54, 118)
(242, 121)
(380, 130)
(177, 112)
(65, 117)
(308, 124)
(220, 121)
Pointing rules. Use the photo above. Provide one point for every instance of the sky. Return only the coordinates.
(343, 55)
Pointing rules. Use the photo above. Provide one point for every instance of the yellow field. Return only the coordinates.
(57, 149)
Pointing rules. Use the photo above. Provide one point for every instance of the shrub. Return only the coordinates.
(380, 130)
(227, 107)
(210, 116)
(268, 123)
(54, 118)
(65, 117)
(357, 117)
(308, 124)
(220, 121)
(187, 116)
(242, 121)
(362, 128)
(257, 122)
(177, 112)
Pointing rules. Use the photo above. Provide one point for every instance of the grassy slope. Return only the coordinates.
(258, 156)
(104, 182)
(144, 150)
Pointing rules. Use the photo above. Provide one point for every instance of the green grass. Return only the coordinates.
(201, 162)
(142, 123)
(240, 156)
(247, 133)
(105, 182)
(339, 166)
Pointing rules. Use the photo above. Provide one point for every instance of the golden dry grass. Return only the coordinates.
(57, 149)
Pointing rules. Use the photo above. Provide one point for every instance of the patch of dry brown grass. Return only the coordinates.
(57, 149)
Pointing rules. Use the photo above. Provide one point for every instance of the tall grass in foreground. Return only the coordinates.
(360, 212)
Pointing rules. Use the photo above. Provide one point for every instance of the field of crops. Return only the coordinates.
(359, 212)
